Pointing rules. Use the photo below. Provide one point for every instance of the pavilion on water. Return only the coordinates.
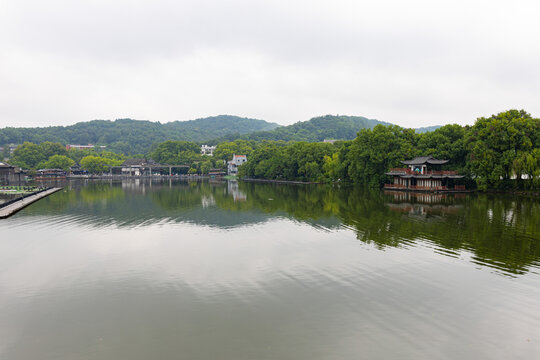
(423, 173)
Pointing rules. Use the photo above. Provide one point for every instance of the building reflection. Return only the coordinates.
(424, 204)
(237, 194)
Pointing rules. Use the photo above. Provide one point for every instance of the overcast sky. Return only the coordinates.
(412, 63)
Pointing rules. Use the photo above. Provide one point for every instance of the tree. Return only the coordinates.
(447, 142)
(59, 162)
(27, 155)
(77, 154)
(96, 164)
(373, 152)
(499, 145)
(206, 166)
(32, 156)
(49, 149)
(176, 152)
(225, 150)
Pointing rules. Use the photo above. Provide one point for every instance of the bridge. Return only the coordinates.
(142, 168)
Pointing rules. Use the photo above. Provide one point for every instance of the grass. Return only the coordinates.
(17, 189)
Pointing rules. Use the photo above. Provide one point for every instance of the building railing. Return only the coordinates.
(394, 186)
(417, 187)
(407, 171)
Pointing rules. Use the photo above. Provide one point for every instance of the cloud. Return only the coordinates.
(413, 63)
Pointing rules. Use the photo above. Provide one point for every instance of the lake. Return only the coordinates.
(233, 270)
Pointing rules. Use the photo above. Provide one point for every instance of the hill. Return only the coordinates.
(135, 136)
(314, 130)
(426, 129)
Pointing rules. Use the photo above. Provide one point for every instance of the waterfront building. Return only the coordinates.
(50, 174)
(237, 160)
(7, 173)
(423, 174)
(134, 167)
(76, 170)
(10, 174)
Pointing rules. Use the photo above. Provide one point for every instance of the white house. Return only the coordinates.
(207, 150)
(236, 161)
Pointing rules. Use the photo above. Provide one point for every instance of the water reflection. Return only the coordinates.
(500, 231)
(223, 270)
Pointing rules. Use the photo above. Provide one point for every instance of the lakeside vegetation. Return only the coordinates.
(499, 152)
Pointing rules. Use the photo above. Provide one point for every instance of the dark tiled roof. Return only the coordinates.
(134, 162)
(424, 160)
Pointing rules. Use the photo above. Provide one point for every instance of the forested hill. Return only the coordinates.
(314, 130)
(426, 129)
(135, 136)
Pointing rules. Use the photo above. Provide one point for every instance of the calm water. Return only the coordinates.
(217, 270)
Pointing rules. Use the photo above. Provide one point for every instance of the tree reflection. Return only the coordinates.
(499, 231)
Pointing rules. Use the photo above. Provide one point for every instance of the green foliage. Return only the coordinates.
(503, 146)
(55, 156)
(97, 164)
(33, 156)
(373, 152)
(132, 136)
(59, 162)
(27, 156)
(447, 142)
(299, 161)
(206, 166)
(316, 129)
(493, 152)
(225, 150)
(49, 149)
(77, 154)
(176, 152)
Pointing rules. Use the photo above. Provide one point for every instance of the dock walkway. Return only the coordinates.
(12, 208)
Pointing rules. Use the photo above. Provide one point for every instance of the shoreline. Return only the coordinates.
(281, 181)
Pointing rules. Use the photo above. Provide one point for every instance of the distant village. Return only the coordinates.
(133, 167)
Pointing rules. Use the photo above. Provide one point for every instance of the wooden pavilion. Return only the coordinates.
(423, 174)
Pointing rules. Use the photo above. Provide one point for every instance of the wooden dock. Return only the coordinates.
(12, 208)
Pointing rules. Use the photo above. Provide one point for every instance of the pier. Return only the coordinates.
(15, 205)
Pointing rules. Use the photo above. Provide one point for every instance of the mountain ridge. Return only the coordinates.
(135, 136)
(131, 136)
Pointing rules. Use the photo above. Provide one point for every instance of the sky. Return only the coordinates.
(412, 63)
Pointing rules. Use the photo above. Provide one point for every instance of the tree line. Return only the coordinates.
(497, 152)
(129, 136)
(49, 155)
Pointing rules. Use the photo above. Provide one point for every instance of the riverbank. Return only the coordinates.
(121, 177)
(281, 181)
(11, 207)
(528, 193)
